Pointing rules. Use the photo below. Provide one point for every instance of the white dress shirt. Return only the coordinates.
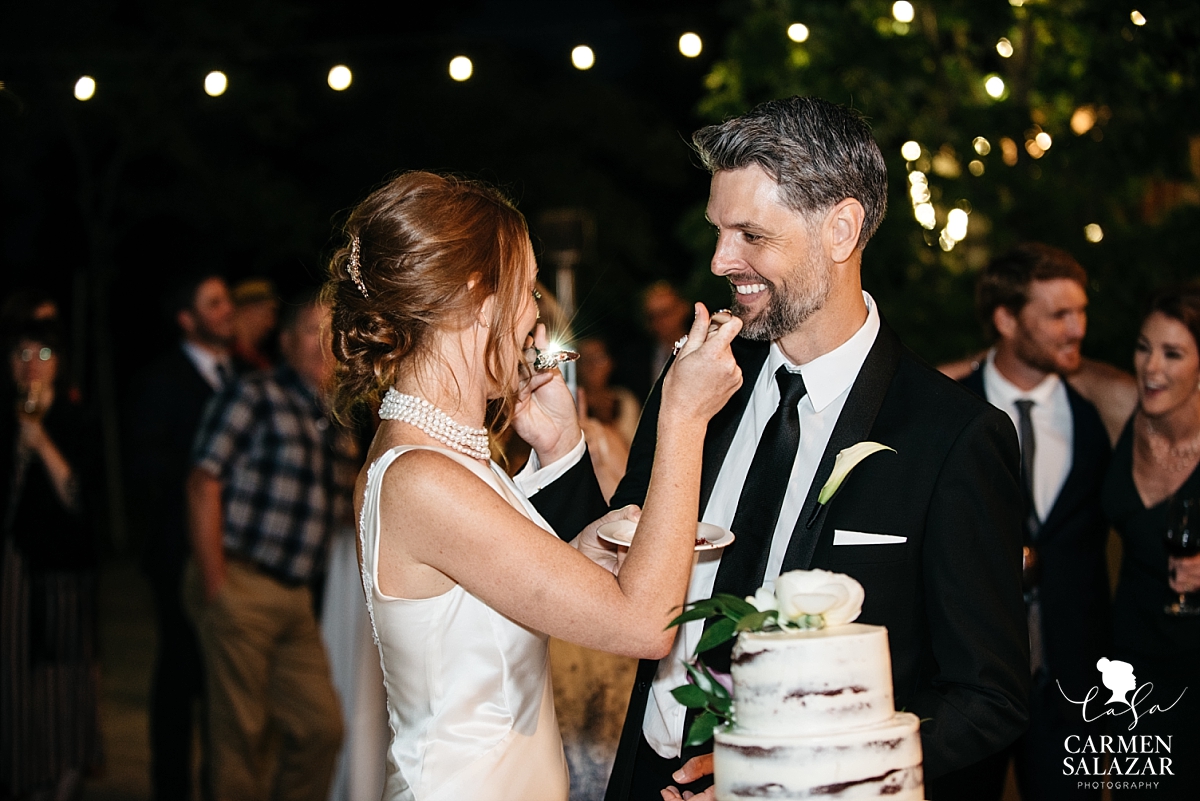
(1053, 429)
(828, 380)
(206, 363)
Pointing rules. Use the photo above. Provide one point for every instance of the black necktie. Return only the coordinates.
(744, 563)
(1028, 448)
(1033, 525)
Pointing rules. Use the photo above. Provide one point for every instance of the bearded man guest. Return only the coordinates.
(167, 402)
(1032, 302)
(931, 531)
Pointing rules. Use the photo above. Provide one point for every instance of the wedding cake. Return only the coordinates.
(813, 715)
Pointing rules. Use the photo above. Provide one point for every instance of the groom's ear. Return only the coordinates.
(843, 224)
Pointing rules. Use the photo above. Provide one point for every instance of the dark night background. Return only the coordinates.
(103, 201)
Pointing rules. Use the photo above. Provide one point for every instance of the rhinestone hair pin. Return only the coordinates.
(354, 267)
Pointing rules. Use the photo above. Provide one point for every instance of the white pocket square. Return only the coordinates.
(865, 538)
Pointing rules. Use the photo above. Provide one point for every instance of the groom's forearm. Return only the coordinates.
(572, 500)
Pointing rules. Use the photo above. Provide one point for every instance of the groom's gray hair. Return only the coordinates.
(818, 152)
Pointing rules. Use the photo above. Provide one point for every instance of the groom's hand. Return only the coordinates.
(695, 768)
(606, 554)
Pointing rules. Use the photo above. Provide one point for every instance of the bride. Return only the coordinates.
(433, 308)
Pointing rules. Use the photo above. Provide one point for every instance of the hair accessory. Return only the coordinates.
(353, 267)
(426, 417)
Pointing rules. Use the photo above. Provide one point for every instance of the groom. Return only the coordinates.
(931, 531)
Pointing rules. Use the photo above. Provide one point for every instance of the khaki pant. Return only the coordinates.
(265, 671)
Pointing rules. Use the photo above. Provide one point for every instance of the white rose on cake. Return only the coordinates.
(811, 599)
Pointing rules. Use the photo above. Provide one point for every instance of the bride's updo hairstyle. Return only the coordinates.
(411, 248)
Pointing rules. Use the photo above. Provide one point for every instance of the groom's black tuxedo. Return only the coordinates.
(950, 596)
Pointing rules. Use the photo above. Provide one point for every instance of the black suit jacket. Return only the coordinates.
(166, 403)
(1072, 546)
(950, 596)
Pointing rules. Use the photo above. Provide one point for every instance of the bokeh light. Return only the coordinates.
(1008, 150)
(925, 215)
(1083, 120)
(85, 88)
(910, 150)
(461, 68)
(975, 166)
(583, 57)
(1043, 140)
(994, 86)
(956, 224)
(690, 45)
(902, 11)
(1004, 48)
(981, 145)
(1136, 17)
(1094, 233)
(215, 83)
(340, 78)
(798, 32)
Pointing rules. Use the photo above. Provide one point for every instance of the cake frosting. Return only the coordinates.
(814, 717)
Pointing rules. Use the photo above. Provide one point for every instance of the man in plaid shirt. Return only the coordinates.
(272, 477)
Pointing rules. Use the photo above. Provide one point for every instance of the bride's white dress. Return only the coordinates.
(468, 690)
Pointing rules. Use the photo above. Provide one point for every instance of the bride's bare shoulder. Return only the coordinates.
(424, 472)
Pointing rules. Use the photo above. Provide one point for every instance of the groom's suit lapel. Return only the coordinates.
(750, 356)
(853, 426)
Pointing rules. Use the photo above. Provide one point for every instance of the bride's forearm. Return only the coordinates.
(655, 574)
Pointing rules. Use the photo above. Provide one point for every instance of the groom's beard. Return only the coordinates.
(796, 298)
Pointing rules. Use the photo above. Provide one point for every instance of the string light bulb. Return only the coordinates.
(461, 68)
(340, 78)
(85, 88)
(690, 45)
(902, 11)
(215, 83)
(583, 57)
(798, 32)
(1004, 48)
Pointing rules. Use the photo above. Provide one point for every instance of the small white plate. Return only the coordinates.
(620, 532)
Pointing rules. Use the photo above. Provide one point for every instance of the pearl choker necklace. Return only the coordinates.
(423, 415)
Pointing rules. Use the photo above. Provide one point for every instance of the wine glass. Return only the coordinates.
(29, 400)
(1182, 538)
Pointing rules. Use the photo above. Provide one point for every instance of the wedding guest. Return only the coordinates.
(1032, 301)
(434, 299)
(49, 667)
(798, 188)
(255, 324)
(1110, 389)
(608, 413)
(270, 482)
(1156, 460)
(666, 316)
(167, 400)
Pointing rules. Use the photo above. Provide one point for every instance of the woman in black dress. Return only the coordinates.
(1156, 459)
(49, 738)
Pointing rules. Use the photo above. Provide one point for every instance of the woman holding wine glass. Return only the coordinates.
(49, 667)
(1152, 480)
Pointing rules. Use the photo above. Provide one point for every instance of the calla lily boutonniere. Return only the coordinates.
(846, 461)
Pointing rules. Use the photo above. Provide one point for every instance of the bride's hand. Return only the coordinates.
(704, 374)
(545, 415)
(606, 554)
